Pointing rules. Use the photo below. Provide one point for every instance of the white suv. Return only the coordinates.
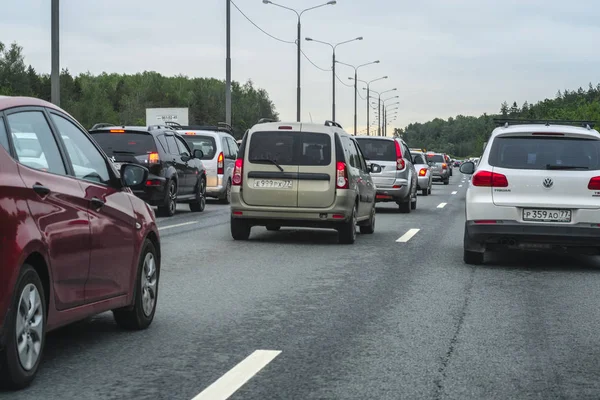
(536, 187)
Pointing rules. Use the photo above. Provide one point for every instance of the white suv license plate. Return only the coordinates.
(545, 215)
(273, 184)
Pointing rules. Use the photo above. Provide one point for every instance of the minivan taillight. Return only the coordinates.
(423, 172)
(594, 183)
(489, 179)
(400, 164)
(236, 179)
(220, 164)
(153, 158)
(341, 180)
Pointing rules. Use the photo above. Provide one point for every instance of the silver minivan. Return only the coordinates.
(397, 182)
(220, 152)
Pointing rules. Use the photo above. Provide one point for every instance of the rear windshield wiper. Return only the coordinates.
(554, 166)
(122, 152)
(268, 160)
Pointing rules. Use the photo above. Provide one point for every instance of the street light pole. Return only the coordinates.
(55, 50)
(228, 67)
(299, 50)
(355, 88)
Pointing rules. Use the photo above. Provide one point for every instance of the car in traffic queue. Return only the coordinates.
(439, 168)
(537, 187)
(177, 174)
(423, 170)
(74, 240)
(397, 181)
(302, 175)
(220, 152)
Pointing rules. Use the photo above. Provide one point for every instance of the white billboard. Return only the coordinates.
(158, 116)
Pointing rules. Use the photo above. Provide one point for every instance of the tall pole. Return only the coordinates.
(228, 68)
(355, 101)
(384, 121)
(368, 111)
(298, 90)
(379, 118)
(55, 57)
(333, 80)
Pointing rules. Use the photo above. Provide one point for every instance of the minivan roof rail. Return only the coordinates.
(172, 123)
(154, 127)
(222, 127)
(101, 125)
(506, 122)
(266, 120)
(333, 123)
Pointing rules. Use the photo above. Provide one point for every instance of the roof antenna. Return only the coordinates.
(310, 115)
(506, 124)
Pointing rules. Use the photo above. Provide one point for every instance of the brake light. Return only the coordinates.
(485, 221)
(190, 133)
(400, 164)
(287, 128)
(117, 131)
(236, 179)
(341, 181)
(444, 166)
(220, 164)
(423, 172)
(594, 183)
(548, 134)
(153, 158)
(489, 179)
(153, 182)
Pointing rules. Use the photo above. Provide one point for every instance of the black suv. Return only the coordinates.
(177, 174)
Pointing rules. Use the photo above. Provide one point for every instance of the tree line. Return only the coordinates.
(464, 136)
(122, 99)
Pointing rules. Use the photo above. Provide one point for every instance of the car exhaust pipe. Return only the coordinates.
(504, 241)
(512, 242)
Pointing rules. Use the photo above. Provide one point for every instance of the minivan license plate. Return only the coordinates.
(545, 215)
(273, 184)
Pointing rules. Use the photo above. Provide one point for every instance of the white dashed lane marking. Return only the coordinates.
(442, 205)
(454, 192)
(162, 228)
(407, 236)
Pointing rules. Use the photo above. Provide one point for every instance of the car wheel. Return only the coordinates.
(425, 192)
(227, 198)
(200, 203)
(145, 294)
(473, 257)
(429, 190)
(26, 332)
(347, 232)
(370, 227)
(168, 209)
(413, 203)
(240, 229)
(447, 182)
(405, 208)
(273, 228)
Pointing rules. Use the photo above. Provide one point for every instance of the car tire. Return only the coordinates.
(347, 232)
(447, 182)
(227, 197)
(405, 208)
(370, 227)
(429, 190)
(170, 206)
(473, 257)
(425, 192)
(413, 203)
(273, 228)
(240, 229)
(145, 293)
(13, 375)
(200, 203)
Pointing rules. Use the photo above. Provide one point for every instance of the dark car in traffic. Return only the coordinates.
(74, 240)
(177, 174)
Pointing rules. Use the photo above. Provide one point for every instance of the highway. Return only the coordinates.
(397, 315)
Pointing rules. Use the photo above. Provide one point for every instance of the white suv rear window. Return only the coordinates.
(545, 153)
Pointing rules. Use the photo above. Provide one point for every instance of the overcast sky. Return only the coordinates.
(446, 57)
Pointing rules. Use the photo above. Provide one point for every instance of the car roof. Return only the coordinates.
(203, 132)
(375, 137)
(152, 129)
(307, 127)
(546, 128)
(7, 102)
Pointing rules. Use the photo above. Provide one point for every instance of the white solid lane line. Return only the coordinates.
(160, 228)
(236, 377)
(454, 192)
(407, 236)
(442, 205)
(459, 185)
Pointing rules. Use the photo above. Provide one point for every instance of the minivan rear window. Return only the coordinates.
(436, 158)
(290, 148)
(207, 144)
(545, 153)
(125, 143)
(377, 149)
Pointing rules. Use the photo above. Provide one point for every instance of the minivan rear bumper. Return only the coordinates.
(294, 216)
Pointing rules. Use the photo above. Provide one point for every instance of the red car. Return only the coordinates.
(74, 240)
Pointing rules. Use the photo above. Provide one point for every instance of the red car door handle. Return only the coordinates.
(41, 190)
(96, 203)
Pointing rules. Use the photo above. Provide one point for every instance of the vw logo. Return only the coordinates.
(548, 182)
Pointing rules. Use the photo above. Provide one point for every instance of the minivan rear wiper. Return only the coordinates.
(268, 160)
(122, 152)
(554, 166)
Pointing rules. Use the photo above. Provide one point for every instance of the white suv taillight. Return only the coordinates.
(341, 181)
(400, 163)
(236, 179)
(220, 164)
(489, 179)
(594, 183)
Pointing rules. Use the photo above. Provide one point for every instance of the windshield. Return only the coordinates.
(135, 144)
(207, 144)
(436, 158)
(377, 149)
(290, 148)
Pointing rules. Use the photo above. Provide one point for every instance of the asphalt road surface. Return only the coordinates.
(398, 315)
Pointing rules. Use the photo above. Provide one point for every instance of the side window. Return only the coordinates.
(3, 136)
(173, 149)
(34, 142)
(183, 149)
(226, 151)
(406, 152)
(360, 159)
(163, 143)
(352, 153)
(88, 162)
(418, 159)
(233, 147)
